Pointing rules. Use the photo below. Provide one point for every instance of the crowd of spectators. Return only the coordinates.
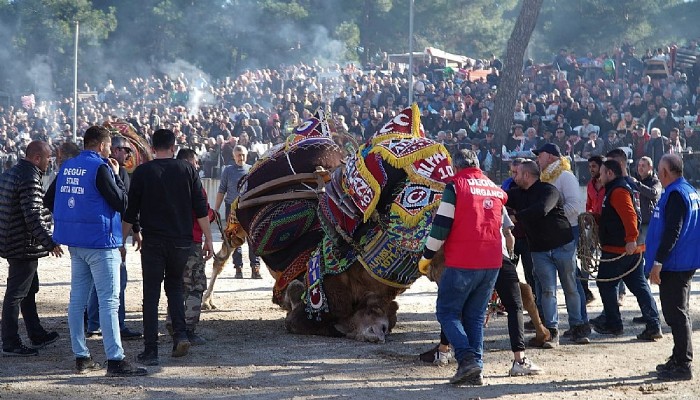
(585, 105)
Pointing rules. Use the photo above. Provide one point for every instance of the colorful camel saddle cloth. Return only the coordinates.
(405, 124)
(277, 225)
(379, 208)
(389, 253)
(356, 190)
(313, 132)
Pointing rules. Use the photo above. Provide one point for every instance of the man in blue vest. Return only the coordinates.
(121, 150)
(672, 256)
(90, 198)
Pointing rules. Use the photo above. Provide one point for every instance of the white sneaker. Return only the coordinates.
(437, 357)
(443, 358)
(526, 367)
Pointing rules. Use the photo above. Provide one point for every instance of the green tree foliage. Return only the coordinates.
(40, 33)
(600, 25)
(223, 37)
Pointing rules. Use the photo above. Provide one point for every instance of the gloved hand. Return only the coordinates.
(424, 265)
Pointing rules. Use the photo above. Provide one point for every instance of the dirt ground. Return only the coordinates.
(249, 354)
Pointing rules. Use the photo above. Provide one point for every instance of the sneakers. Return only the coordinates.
(580, 333)
(46, 340)
(122, 368)
(128, 334)
(148, 357)
(437, 357)
(256, 273)
(20, 351)
(524, 367)
(553, 342)
(195, 339)
(181, 348)
(650, 334)
(468, 372)
(605, 330)
(239, 273)
(676, 373)
(83, 365)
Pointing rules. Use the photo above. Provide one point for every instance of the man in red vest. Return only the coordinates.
(468, 222)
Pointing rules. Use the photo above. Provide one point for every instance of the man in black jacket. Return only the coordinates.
(25, 236)
(163, 195)
(540, 209)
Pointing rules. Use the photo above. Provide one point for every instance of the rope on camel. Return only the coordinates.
(589, 250)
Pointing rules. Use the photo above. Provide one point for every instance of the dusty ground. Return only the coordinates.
(249, 354)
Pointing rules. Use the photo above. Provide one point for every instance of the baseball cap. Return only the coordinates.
(550, 148)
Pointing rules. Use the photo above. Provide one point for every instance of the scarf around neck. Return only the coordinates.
(552, 172)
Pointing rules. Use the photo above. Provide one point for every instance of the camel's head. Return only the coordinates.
(372, 321)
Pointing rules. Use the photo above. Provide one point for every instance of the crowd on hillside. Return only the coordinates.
(585, 105)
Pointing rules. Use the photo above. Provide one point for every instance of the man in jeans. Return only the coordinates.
(618, 233)
(672, 257)
(89, 200)
(163, 195)
(468, 222)
(228, 191)
(25, 236)
(539, 207)
(556, 170)
(120, 151)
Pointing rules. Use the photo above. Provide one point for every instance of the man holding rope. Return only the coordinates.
(621, 256)
(672, 258)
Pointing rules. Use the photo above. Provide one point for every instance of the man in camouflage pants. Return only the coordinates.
(194, 278)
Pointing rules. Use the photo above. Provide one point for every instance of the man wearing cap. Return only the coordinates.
(120, 151)
(556, 170)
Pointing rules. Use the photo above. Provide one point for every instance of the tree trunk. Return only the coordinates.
(511, 76)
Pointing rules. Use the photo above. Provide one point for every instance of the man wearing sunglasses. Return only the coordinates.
(121, 151)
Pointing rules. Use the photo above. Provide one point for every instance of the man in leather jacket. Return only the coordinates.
(25, 236)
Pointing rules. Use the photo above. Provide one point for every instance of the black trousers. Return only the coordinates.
(508, 288)
(674, 293)
(22, 286)
(522, 253)
(163, 263)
